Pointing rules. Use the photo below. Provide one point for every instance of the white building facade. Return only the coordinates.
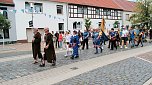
(60, 16)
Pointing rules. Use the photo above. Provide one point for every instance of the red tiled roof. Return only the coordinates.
(6, 1)
(125, 5)
(115, 4)
(98, 3)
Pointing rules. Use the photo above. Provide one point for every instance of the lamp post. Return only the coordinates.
(31, 5)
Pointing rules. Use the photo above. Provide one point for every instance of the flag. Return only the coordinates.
(103, 24)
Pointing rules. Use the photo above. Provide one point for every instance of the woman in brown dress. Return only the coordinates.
(49, 51)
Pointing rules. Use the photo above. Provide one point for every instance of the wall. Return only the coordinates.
(39, 20)
(126, 22)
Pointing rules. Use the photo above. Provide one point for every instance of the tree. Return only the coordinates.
(87, 23)
(143, 10)
(4, 23)
(116, 24)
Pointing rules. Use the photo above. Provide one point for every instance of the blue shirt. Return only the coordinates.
(132, 35)
(85, 35)
(112, 34)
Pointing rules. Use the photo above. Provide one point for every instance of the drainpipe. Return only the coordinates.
(67, 15)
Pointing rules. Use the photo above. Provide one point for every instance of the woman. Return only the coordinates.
(96, 38)
(60, 39)
(68, 46)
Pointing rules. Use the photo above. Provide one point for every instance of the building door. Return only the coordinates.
(61, 26)
(29, 34)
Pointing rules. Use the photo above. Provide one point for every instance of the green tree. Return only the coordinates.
(87, 23)
(4, 23)
(116, 24)
(143, 10)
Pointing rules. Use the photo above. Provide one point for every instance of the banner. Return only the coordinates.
(23, 11)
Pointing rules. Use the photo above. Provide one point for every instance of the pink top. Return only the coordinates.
(60, 37)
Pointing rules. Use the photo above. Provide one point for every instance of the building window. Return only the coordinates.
(6, 33)
(85, 10)
(97, 11)
(80, 10)
(4, 12)
(127, 17)
(37, 7)
(59, 9)
(77, 25)
(61, 26)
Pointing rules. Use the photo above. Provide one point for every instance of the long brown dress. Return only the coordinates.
(50, 55)
(36, 46)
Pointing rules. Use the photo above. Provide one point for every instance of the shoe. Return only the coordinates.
(142, 46)
(121, 47)
(126, 47)
(42, 65)
(35, 62)
(96, 53)
(101, 51)
(53, 64)
(77, 57)
(72, 57)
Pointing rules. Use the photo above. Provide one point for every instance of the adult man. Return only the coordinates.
(49, 50)
(124, 37)
(113, 39)
(132, 37)
(85, 39)
(36, 45)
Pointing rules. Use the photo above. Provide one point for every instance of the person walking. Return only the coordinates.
(49, 51)
(113, 39)
(132, 37)
(75, 45)
(85, 39)
(96, 40)
(36, 46)
(60, 40)
(68, 46)
(56, 40)
(140, 39)
(124, 37)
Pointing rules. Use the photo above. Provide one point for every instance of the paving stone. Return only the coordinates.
(117, 77)
(24, 67)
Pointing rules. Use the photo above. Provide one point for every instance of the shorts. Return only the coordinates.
(125, 39)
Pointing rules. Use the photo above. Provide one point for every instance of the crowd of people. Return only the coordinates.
(73, 41)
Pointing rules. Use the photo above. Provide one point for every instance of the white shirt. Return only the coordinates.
(124, 33)
(68, 38)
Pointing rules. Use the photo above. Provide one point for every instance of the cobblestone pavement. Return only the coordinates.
(23, 67)
(131, 71)
(146, 56)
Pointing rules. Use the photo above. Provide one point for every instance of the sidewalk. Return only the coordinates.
(19, 49)
(57, 75)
